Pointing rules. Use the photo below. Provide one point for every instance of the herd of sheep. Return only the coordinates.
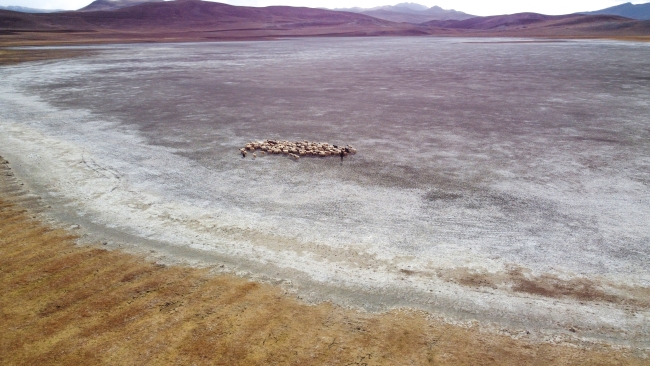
(297, 149)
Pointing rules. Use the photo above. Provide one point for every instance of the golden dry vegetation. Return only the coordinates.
(79, 305)
(15, 56)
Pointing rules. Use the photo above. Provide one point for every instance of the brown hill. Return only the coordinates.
(539, 25)
(494, 22)
(189, 20)
(99, 5)
(191, 13)
(398, 17)
(185, 14)
(195, 20)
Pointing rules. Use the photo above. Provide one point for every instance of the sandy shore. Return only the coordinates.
(68, 304)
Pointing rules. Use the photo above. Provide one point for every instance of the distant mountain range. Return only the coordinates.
(410, 13)
(189, 20)
(628, 10)
(195, 20)
(23, 9)
(402, 13)
(417, 13)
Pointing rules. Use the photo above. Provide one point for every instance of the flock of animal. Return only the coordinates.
(297, 149)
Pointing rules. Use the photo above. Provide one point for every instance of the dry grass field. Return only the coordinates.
(79, 305)
(16, 56)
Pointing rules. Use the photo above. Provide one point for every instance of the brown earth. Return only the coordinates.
(520, 280)
(539, 25)
(15, 56)
(187, 20)
(113, 4)
(67, 304)
(195, 20)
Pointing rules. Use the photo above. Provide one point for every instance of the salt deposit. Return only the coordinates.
(504, 183)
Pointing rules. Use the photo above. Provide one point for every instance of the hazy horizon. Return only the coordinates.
(475, 7)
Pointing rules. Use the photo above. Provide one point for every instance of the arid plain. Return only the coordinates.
(500, 187)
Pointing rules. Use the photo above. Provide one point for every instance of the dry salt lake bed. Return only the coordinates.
(503, 183)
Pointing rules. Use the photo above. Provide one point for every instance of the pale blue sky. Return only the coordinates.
(477, 7)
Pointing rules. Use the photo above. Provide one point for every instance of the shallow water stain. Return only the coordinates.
(519, 280)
